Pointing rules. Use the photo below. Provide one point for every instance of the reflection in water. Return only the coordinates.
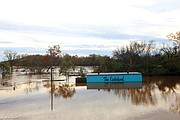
(6, 83)
(170, 87)
(52, 96)
(31, 87)
(137, 96)
(58, 90)
(136, 92)
(147, 94)
(67, 91)
(176, 107)
(64, 90)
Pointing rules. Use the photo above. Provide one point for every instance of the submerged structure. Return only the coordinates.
(114, 85)
(114, 77)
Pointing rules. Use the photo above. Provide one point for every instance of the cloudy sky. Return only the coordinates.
(84, 27)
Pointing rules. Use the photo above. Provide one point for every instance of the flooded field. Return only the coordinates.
(33, 97)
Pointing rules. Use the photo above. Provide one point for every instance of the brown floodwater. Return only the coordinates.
(33, 97)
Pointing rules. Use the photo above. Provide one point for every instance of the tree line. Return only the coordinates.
(144, 57)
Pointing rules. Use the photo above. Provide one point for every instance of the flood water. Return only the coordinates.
(30, 97)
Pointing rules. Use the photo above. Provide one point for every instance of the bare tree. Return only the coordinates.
(169, 51)
(176, 39)
(53, 51)
(10, 56)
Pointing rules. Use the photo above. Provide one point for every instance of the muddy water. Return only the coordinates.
(25, 97)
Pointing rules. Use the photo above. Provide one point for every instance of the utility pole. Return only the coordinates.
(52, 100)
(51, 62)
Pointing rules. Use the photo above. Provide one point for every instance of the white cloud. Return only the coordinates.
(66, 42)
(85, 24)
(58, 12)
